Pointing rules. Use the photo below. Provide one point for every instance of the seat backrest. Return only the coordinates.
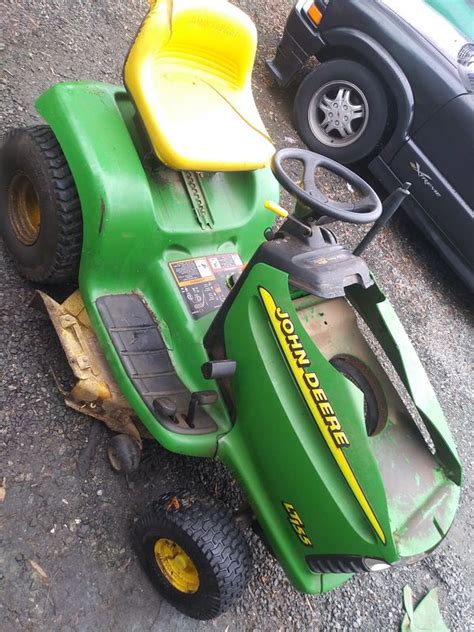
(189, 75)
(212, 37)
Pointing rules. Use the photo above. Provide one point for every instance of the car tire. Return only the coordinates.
(213, 555)
(341, 110)
(40, 212)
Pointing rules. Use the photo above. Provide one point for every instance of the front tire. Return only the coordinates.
(341, 110)
(40, 213)
(194, 554)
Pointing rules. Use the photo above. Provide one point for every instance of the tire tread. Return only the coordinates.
(212, 528)
(65, 264)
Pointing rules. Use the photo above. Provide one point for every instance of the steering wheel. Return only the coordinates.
(363, 211)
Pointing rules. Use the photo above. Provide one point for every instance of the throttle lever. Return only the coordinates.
(281, 212)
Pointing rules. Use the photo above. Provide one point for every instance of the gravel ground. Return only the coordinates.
(75, 525)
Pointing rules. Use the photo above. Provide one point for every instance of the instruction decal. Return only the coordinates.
(204, 282)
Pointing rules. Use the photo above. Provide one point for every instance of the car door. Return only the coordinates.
(439, 162)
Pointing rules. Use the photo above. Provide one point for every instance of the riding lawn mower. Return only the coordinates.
(197, 325)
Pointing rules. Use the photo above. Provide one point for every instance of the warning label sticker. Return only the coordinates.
(204, 282)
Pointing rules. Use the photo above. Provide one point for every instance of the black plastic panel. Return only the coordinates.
(336, 564)
(145, 358)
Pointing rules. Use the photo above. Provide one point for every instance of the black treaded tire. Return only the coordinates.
(54, 254)
(208, 534)
(368, 83)
(124, 453)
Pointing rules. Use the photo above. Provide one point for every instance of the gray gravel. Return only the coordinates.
(75, 527)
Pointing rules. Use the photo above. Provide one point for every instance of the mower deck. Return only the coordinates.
(95, 393)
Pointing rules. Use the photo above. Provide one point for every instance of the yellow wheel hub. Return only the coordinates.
(24, 210)
(176, 566)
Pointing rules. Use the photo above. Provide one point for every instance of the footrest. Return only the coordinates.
(145, 358)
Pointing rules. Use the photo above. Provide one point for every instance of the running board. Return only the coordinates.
(139, 344)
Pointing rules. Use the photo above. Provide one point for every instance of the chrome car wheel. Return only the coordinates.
(338, 113)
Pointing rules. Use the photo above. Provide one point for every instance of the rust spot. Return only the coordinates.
(173, 504)
(102, 215)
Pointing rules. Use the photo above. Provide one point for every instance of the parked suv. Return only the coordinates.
(394, 88)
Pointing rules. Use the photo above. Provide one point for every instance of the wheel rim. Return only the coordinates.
(24, 209)
(176, 565)
(338, 113)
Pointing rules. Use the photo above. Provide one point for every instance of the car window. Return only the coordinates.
(458, 12)
(431, 24)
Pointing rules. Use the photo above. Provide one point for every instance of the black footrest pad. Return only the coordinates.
(139, 343)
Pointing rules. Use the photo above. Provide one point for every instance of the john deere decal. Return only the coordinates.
(316, 400)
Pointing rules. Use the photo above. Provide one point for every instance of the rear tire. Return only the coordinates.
(214, 557)
(40, 213)
(321, 119)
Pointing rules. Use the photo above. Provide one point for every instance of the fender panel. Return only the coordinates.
(123, 250)
(379, 59)
(138, 219)
(278, 453)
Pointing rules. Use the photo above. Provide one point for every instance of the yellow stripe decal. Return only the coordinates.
(336, 441)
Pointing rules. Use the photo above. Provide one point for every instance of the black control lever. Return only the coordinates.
(390, 205)
(199, 398)
(219, 369)
(165, 407)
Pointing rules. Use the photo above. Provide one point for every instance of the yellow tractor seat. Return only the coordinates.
(189, 75)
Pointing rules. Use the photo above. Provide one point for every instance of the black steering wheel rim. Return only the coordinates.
(363, 211)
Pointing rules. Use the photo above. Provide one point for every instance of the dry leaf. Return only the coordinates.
(37, 568)
(173, 504)
(3, 490)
